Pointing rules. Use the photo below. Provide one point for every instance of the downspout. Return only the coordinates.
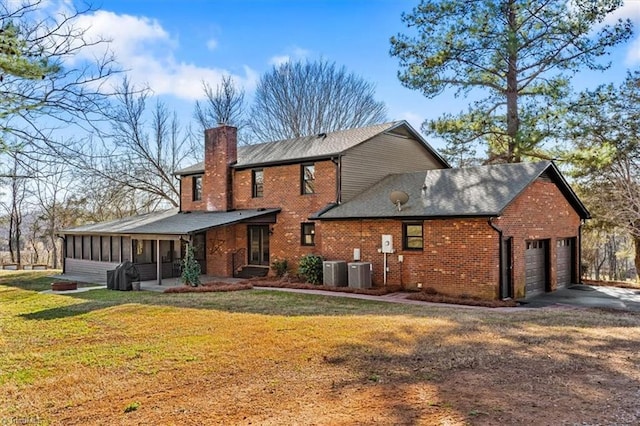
(338, 162)
(579, 254)
(500, 256)
(180, 195)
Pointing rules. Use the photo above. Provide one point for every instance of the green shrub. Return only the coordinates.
(310, 268)
(132, 407)
(280, 267)
(190, 268)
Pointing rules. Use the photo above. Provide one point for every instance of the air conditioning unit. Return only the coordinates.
(334, 272)
(360, 274)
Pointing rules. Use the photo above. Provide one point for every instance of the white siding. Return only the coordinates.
(385, 154)
(89, 269)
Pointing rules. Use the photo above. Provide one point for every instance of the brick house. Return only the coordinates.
(492, 232)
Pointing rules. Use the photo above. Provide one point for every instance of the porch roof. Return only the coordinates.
(169, 222)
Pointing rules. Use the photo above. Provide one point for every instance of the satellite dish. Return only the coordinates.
(399, 198)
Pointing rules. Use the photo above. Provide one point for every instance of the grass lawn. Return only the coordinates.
(268, 357)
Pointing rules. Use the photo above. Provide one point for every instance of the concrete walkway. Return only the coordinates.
(584, 296)
(574, 297)
(400, 297)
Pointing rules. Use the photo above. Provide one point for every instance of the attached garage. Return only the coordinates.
(536, 255)
(565, 255)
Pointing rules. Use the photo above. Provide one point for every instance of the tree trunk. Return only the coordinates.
(513, 120)
(636, 259)
(54, 251)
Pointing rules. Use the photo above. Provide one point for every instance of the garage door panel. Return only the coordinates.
(565, 249)
(536, 267)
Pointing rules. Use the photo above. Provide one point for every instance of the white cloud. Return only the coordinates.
(294, 53)
(279, 60)
(212, 44)
(147, 52)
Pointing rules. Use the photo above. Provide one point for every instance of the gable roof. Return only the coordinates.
(473, 191)
(315, 147)
(169, 222)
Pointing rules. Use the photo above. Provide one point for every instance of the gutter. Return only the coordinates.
(501, 282)
(180, 195)
(338, 162)
(579, 253)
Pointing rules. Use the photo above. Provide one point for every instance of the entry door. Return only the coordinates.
(200, 251)
(259, 245)
(506, 269)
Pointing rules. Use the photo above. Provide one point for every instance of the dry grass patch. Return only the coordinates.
(273, 358)
(470, 301)
(378, 291)
(210, 287)
(620, 284)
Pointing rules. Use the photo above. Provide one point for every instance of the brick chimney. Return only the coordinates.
(220, 152)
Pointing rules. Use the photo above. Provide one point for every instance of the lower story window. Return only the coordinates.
(308, 234)
(412, 238)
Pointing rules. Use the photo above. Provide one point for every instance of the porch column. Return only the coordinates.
(158, 262)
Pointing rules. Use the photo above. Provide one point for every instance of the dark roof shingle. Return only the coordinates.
(473, 191)
(169, 222)
(310, 147)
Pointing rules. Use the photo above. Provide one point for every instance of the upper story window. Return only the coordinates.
(412, 238)
(308, 179)
(197, 188)
(257, 183)
(308, 234)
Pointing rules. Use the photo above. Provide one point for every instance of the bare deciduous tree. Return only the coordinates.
(305, 98)
(70, 91)
(14, 207)
(137, 159)
(225, 105)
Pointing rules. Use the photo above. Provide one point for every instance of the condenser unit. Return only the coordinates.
(359, 274)
(334, 273)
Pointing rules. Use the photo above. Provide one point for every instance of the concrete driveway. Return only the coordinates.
(585, 296)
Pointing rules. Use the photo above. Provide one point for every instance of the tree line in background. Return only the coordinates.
(81, 143)
(516, 60)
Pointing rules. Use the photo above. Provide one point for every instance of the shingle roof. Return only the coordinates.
(169, 222)
(308, 147)
(473, 191)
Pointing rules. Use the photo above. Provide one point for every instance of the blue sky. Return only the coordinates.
(173, 46)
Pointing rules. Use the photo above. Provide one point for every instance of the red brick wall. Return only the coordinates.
(460, 256)
(282, 190)
(221, 244)
(186, 196)
(444, 265)
(541, 212)
(220, 152)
